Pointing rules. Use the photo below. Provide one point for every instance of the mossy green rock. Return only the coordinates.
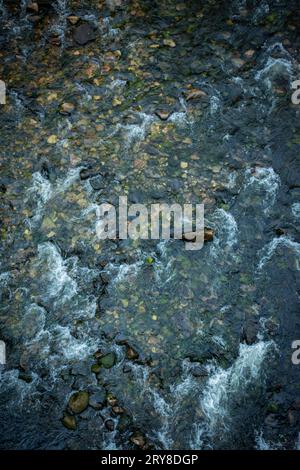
(79, 402)
(108, 360)
(96, 368)
(69, 422)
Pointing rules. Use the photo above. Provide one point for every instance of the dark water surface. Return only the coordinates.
(169, 348)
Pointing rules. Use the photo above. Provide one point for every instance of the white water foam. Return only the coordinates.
(181, 118)
(53, 269)
(297, 445)
(296, 210)
(135, 133)
(167, 406)
(19, 390)
(269, 250)
(59, 27)
(124, 272)
(108, 30)
(224, 385)
(42, 190)
(267, 180)
(262, 444)
(273, 69)
(62, 282)
(215, 104)
(117, 84)
(226, 236)
(163, 265)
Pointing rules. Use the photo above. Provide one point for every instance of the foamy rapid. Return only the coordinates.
(270, 248)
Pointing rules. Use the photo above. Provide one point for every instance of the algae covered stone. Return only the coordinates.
(79, 402)
(108, 361)
(69, 422)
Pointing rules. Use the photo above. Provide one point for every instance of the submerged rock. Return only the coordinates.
(118, 410)
(250, 331)
(138, 439)
(69, 422)
(97, 399)
(108, 361)
(78, 402)
(97, 183)
(109, 424)
(84, 34)
(200, 371)
(111, 400)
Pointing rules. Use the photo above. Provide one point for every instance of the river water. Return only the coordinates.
(199, 341)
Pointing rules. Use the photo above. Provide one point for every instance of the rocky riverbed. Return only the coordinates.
(125, 344)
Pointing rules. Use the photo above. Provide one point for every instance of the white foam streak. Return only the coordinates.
(58, 282)
(268, 250)
(225, 384)
(226, 233)
(296, 210)
(267, 180)
(274, 68)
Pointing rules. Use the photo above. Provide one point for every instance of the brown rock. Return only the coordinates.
(55, 41)
(33, 7)
(67, 108)
(163, 115)
(191, 236)
(138, 439)
(73, 19)
(208, 234)
(250, 53)
(194, 94)
(131, 354)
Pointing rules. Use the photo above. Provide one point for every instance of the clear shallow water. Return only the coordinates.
(201, 340)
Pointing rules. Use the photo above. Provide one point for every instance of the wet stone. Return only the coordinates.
(199, 371)
(67, 108)
(110, 425)
(78, 402)
(73, 19)
(81, 368)
(111, 400)
(84, 34)
(138, 439)
(97, 183)
(118, 410)
(69, 422)
(108, 361)
(87, 173)
(163, 115)
(97, 399)
(131, 354)
(250, 331)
